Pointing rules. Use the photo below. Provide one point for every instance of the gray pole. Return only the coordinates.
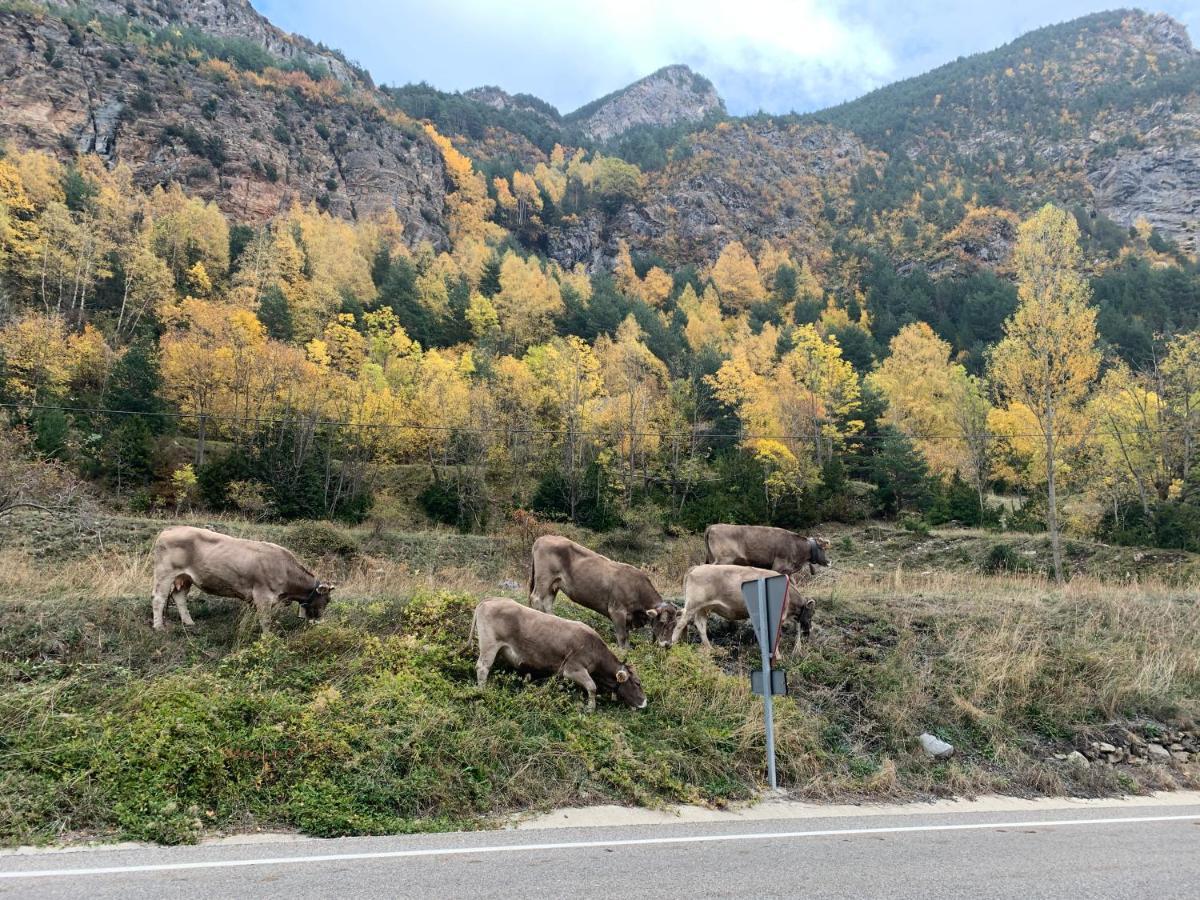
(765, 632)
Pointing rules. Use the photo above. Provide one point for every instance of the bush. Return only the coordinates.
(460, 500)
(1003, 558)
(320, 539)
(1029, 517)
(595, 499)
(914, 524)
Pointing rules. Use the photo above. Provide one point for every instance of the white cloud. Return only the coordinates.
(778, 55)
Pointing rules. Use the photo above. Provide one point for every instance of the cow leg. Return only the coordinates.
(701, 623)
(264, 605)
(180, 596)
(543, 593)
(483, 667)
(583, 678)
(620, 620)
(681, 626)
(162, 588)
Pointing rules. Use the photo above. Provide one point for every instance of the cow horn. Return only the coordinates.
(652, 613)
(622, 676)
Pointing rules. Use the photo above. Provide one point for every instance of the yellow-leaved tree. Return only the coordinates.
(1048, 358)
(797, 409)
(527, 302)
(735, 277)
(934, 402)
(636, 381)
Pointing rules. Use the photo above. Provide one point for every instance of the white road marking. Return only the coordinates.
(584, 845)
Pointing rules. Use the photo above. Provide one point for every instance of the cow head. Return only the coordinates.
(805, 616)
(629, 688)
(816, 551)
(313, 603)
(662, 622)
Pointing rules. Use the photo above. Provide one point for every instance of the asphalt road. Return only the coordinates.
(1128, 852)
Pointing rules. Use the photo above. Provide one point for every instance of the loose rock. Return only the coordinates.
(935, 747)
(1077, 760)
(1158, 752)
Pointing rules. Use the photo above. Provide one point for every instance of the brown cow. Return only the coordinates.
(777, 549)
(718, 589)
(255, 571)
(533, 641)
(614, 589)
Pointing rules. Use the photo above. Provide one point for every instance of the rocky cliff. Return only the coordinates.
(254, 141)
(667, 97)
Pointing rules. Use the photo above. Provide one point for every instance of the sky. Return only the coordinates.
(774, 55)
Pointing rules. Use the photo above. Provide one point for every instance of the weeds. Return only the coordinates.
(371, 722)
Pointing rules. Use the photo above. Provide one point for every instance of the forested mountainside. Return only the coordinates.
(236, 273)
(211, 97)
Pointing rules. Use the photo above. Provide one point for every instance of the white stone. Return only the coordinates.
(1158, 751)
(1078, 760)
(935, 747)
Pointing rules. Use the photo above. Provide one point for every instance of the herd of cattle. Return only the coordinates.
(528, 638)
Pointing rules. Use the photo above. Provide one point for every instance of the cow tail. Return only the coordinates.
(473, 636)
(532, 575)
(708, 554)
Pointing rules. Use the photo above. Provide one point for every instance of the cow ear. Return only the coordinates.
(622, 676)
(811, 603)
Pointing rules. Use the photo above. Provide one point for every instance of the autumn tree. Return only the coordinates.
(635, 380)
(527, 302)
(1048, 359)
(935, 403)
(735, 277)
(795, 409)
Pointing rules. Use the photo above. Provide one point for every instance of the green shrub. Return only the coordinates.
(1003, 558)
(320, 539)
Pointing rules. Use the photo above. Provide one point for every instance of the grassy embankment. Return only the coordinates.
(372, 723)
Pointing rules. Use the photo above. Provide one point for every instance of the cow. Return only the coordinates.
(777, 549)
(614, 589)
(718, 589)
(255, 571)
(533, 641)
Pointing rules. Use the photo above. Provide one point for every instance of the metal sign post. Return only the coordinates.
(766, 601)
(768, 706)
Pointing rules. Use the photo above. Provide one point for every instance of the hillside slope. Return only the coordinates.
(1103, 110)
(237, 112)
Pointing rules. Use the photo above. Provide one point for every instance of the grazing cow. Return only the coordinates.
(534, 641)
(718, 589)
(255, 571)
(777, 549)
(614, 589)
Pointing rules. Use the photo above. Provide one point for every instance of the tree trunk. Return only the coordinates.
(1052, 502)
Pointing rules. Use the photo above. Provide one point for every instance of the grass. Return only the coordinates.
(371, 722)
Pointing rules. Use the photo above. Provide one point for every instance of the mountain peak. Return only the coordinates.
(671, 95)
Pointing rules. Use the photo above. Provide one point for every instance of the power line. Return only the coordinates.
(484, 429)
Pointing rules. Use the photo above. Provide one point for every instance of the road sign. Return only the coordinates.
(778, 682)
(766, 601)
(776, 594)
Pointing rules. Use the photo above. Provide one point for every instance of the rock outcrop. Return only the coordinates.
(744, 181)
(1158, 181)
(252, 144)
(667, 97)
